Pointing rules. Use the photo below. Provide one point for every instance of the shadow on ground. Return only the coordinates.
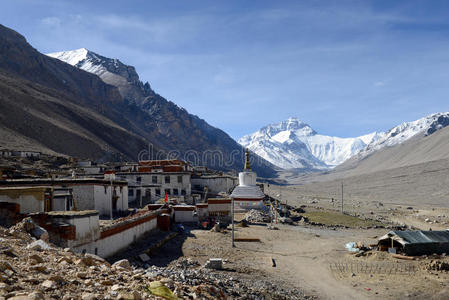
(162, 247)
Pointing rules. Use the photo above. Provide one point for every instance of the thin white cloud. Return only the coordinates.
(160, 30)
(51, 21)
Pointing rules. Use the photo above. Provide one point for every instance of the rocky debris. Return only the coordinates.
(285, 220)
(54, 273)
(218, 284)
(437, 265)
(38, 245)
(257, 216)
(122, 264)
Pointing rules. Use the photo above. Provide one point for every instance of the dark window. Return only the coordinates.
(180, 179)
(167, 191)
(167, 179)
(197, 187)
(183, 192)
(175, 192)
(96, 251)
(139, 179)
(130, 192)
(154, 179)
(158, 192)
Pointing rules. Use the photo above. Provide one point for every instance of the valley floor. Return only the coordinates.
(313, 259)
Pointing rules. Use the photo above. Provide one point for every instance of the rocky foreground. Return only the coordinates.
(34, 269)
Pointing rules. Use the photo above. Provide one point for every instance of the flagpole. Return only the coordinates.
(232, 208)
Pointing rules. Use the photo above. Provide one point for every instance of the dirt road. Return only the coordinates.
(302, 254)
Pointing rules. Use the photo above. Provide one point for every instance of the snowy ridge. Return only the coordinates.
(110, 70)
(71, 57)
(85, 60)
(294, 144)
(404, 131)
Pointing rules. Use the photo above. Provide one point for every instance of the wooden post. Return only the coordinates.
(112, 198)
(232, 208)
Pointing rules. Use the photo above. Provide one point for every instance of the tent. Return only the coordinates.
(416, 242)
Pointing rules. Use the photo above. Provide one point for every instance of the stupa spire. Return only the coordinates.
(247, 165)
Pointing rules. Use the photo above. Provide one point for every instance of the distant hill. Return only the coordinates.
(54, 106)
(419, 149)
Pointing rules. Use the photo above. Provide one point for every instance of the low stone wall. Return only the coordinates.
(80, 230)
(121, 234)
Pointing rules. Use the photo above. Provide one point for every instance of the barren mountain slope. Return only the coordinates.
(45, 119)
(419, 149)
(162, 122)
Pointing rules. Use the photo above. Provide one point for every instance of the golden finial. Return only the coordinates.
(247, 166)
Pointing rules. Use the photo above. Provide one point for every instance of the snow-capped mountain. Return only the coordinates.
(110, 70)
(399, 134)
(294, 144)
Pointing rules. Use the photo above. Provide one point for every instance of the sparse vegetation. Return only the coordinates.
(333, 218)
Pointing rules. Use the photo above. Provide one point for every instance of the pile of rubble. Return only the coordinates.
(189, 272)
(437, 265)
(257, 216)
(35, 269)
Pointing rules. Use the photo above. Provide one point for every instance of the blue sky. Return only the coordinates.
(345, 67)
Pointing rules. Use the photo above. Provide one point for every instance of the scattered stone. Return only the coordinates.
(57, 278)
(9, 252)
(36, 296)
(38, 245)
(96, 258)
(37, 258)
(49, 284)
(88, 296)
(82, 275)
(107, 282)
(65, 259)
(5, 287)
(4, 265)
(39, 267)
(124, 263)
(116, 287)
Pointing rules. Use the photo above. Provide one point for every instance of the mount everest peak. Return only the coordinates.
(295, 144)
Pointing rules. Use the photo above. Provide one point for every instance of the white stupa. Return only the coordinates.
(247, 194)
